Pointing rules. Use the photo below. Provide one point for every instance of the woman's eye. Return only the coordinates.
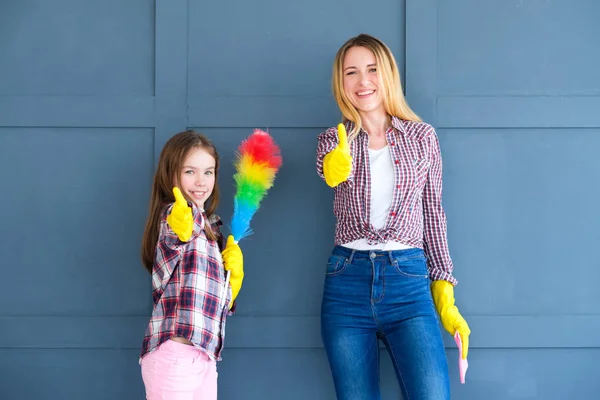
(189, 172)
(373, 70)
(208, 172)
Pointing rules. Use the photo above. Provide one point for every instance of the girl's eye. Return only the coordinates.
(373, 70)
(189, 172)
(350, 73)
(208, 172)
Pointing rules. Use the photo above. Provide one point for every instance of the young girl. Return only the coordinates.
(193, 284)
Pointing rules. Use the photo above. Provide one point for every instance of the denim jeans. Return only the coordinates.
(371, 295)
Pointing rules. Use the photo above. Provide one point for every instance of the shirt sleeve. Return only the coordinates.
(170, 250)
(216, 223)
(434, 218)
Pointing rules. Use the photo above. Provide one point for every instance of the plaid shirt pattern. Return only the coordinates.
(416, 216)
(190, 291)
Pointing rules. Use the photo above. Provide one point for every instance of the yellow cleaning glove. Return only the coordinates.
(337, 164)
(443, 298)
(233, 260)
(181, 219)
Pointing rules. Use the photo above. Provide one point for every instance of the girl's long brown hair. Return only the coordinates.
(170, 164)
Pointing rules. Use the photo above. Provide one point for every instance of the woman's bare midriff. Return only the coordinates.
(180, 339)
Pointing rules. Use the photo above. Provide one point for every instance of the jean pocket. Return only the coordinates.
(413, 267)
(336, 265)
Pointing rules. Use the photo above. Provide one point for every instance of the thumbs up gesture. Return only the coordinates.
(337, 165)
(181, 219)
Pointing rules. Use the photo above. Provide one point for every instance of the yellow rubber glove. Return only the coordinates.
(337, 164)
(233, 260)
(181, 219)
(443, 298)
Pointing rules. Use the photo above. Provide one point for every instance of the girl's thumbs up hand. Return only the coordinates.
(181, 219)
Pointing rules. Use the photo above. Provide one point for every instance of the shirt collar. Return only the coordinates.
(397, 124)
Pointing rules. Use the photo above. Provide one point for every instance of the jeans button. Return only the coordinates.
(372, 255)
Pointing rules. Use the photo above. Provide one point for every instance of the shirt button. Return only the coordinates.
(397, 161)
(397, 186)
(393, 214)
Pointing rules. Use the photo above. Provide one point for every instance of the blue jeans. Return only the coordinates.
(371, 295)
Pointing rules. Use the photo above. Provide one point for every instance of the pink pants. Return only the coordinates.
(177, 371)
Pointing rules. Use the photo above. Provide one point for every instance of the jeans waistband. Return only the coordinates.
(392, 255)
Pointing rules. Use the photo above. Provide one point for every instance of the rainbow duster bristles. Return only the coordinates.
(259, 159)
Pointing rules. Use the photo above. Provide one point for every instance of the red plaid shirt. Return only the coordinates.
(190, 291)
(416, 215)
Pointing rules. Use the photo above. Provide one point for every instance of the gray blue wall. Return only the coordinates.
(91, 90)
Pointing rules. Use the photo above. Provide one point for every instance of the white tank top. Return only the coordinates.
(382, 192)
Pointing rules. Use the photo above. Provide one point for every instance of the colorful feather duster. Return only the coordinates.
(259, 159)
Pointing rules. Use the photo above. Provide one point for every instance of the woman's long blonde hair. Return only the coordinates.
(393, 98)
(167, 174)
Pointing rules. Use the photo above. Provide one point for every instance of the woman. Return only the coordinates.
(390, 237)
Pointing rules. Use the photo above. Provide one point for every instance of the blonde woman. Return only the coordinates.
(385, 168)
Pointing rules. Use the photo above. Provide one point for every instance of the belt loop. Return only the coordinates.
(391, 256)
(351, 256)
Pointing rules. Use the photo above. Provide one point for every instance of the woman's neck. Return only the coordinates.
(375, 124)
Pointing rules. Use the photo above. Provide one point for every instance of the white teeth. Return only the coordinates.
(365, 92)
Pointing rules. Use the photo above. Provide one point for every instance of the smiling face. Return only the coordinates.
(197, 177)
(361, 82)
